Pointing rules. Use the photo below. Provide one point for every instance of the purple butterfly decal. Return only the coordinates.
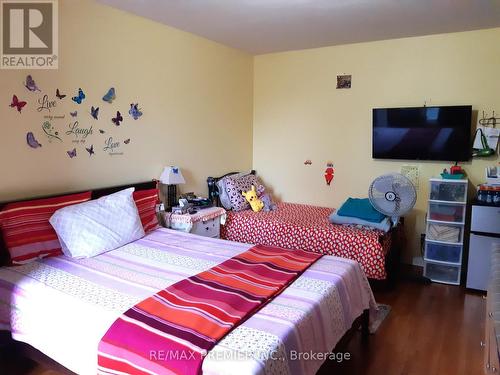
(72, 153)
(135, 111)
(74, 114)
(126, 141)
(32, 142)
(116, 120)
(30, 84)
(94, 112)
(90, 150)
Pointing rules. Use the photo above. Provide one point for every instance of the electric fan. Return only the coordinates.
(393, 195)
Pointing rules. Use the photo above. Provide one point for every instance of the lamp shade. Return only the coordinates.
(172, 176)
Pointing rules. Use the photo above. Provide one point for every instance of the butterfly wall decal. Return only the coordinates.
(32, 142)
(72, 153)
(16, 103)
(78, 99)
(110, 95)
(94, 112)
(116, 120)
(30, 84)
(90, 150)
(73, 114)
(134, 111)
(59, 95)
(101, 131)
(126, 141)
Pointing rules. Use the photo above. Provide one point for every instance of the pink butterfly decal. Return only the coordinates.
(16, 103)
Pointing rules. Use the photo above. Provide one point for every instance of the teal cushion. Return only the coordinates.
(362, 209)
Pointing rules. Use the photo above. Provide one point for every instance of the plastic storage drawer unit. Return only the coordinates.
(443, 273)
(451, 191)
(443, 253)
(448, 212)
(445, 232)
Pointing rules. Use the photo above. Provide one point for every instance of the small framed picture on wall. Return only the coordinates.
(344, 81)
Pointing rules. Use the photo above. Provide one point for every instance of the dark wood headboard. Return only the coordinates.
(213, 190)
(97, 193)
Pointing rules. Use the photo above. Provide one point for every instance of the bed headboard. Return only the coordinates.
(213, 190)
(97, 193)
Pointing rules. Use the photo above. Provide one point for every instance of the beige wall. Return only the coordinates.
(196, 97)
(298, 113)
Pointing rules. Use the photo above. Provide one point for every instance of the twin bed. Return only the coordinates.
(306, 227)
(63, 306)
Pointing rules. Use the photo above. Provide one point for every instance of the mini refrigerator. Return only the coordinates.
(485, 230)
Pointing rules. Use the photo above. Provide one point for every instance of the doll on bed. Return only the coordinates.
(258, 203)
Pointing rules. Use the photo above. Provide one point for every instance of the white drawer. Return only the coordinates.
(209, 228)
(485, 219)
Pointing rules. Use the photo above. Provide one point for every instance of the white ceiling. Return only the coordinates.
(263, 26)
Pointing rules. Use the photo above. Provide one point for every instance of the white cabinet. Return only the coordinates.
(447, 210)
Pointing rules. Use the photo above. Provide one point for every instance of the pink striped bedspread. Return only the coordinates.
(187, 319)
(64, 306)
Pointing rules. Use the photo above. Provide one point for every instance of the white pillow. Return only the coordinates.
(94, 227)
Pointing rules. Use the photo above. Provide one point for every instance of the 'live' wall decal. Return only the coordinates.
(59, 129)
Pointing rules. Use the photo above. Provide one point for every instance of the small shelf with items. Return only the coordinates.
(447, 206)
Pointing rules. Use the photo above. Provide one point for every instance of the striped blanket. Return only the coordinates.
(172, 331)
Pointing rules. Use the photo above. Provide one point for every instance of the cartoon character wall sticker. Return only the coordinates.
(329, 173)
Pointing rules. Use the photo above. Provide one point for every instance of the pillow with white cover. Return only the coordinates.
(94, 227)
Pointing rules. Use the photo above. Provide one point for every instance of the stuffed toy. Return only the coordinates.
(252, 198)
(268, 202)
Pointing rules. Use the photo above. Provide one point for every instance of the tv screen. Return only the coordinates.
(422, 133)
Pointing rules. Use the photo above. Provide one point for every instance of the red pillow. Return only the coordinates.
(26, 230)
(146, 201)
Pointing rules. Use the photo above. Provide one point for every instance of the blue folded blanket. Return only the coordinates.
(384, 225)
(360, 208)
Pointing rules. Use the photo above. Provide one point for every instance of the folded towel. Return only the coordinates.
(384, 225)
(360, 208)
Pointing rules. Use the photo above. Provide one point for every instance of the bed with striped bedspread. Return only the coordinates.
(64, 306)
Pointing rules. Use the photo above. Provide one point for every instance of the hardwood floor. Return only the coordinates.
(432, 329)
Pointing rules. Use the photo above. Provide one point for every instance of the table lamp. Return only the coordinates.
(169, 179)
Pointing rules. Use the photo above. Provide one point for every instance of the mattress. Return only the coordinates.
(298, 226)
(63, 306)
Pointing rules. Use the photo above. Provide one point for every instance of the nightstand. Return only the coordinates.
(205, 222)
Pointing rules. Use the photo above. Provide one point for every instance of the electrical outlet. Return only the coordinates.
(411, 172)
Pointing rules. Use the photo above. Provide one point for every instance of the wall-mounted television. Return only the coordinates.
(422, 133)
